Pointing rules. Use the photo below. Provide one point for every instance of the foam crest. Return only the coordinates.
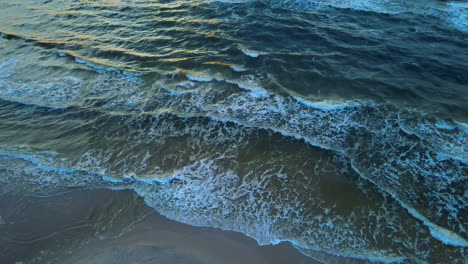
(325, 105)
(250, 85)
(250, 53)
(199, 78)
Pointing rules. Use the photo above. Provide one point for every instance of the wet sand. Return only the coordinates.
(102, 226)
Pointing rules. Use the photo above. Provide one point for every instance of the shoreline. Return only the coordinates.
(129, 236)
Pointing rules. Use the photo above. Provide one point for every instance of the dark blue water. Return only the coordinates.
(341, 128)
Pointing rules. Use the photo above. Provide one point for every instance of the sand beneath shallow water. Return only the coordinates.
(159, 240)
(95, 227)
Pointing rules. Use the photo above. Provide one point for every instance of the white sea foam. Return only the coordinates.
(457, 15)
(250, 53)
(199, 78)
(237, 68)
(110, 179)
(256, 90)
(325, 105)
(247, 83)
(444, 125)
(446, 236)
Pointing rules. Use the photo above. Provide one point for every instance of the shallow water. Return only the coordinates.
(339, 128)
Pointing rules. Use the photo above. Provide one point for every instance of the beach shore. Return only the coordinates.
(95, 226)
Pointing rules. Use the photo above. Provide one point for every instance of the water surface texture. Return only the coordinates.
(338, 126)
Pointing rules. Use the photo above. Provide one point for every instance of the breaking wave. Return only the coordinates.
(225, 153)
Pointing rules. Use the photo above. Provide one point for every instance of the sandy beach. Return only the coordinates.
(85, 229)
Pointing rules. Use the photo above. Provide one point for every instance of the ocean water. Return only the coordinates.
(338, 126)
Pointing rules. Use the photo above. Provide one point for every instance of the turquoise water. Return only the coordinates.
(341, 128)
